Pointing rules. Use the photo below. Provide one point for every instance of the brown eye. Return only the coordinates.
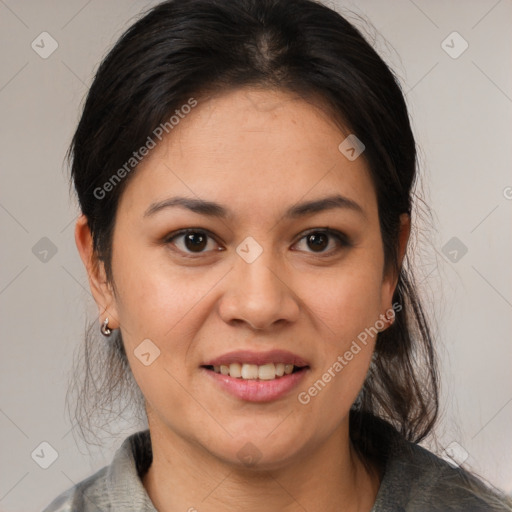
(195, 241)
(319, 240)
(190, 241)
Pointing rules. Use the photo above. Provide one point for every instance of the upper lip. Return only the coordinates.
(258, 358)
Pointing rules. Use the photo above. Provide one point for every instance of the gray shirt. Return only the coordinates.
(414, 480)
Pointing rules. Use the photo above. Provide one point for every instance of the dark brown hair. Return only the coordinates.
(191, 48)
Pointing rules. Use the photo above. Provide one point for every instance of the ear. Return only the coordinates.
(101, 291)
(390, 280)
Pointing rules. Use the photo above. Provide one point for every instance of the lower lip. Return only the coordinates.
(258, 390)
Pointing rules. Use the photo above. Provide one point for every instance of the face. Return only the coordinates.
(256, 284)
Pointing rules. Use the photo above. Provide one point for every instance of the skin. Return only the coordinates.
(256, 152)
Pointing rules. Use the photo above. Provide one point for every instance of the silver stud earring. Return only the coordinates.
(104, 328)
(390, 318)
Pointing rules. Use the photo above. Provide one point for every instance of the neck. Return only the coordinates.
(185, 476)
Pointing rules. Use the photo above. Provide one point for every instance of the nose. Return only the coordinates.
(258, 295)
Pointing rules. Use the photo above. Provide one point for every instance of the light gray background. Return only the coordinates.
(461, 110)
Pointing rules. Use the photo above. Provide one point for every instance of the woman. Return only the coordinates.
(244, 171)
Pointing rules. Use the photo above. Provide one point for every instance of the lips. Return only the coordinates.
(257, 376)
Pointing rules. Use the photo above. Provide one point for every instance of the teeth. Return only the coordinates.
(249, 371)
(252, 371)
(235, 370)
(267, 372)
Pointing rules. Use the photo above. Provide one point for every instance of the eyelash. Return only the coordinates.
(342, 239)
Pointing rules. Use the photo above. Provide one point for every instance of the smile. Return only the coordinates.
(249, 371)
(256, 376)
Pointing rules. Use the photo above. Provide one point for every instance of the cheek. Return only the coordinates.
(345, 317)
(347, 300)
(159, 304)
(345, 310)
(155, 297)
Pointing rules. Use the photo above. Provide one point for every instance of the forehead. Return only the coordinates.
(254, 151)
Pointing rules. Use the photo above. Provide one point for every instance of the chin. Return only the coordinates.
(256, 449)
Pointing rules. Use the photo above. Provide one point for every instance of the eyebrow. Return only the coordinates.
(212, 209)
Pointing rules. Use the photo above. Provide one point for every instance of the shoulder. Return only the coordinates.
(416, 480)
(89, 494)
(117, 486)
